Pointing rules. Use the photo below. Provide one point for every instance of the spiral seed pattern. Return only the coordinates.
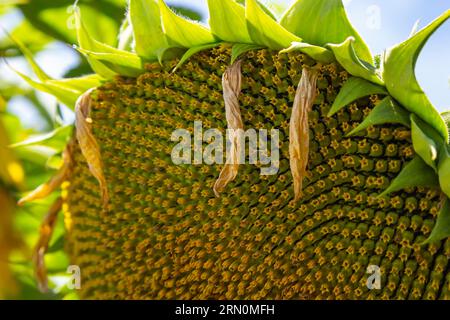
(167, 236)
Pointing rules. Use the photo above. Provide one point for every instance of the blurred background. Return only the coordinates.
(33, 126)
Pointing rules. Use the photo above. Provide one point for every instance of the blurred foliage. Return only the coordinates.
(36, 154)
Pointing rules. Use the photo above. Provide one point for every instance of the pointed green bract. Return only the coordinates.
(87, 43)
(149, 36)
(126, 35)
(240, 48)
(444, 169)
(124, 63)
(193, 51)
(81, 84)
(441, 229)
(424, 141)
(275, 9)
(353, 89)
(65, 90)
(185, 33)
(387, 111)
(319, 22)
(345, 54)
(401, 82)
(446, 117)
(317, 53)
(264, 30)
(29, 57)
(63, 94)
(56, 139)
(227, 21)
(415, 174)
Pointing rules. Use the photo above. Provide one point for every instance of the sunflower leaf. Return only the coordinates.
(184, 32)
(441, 229)
(346, 55)
(415, 174)
(124, 63)
(56, 139)
(126, 35)
(241, 48)
(29, 57)
(266, 31)
(319, 22)
(193, 51)
(352, 90)
(80, 84)
(444, 169)
(63, 94)
(387, 111)
(401, 82)
(424, 140)
(145, 18)
(319, 54)
(227, 21)
(87, 43)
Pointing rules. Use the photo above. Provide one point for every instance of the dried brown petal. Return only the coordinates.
(231, 82)
(88, 144)
(45, 234)
(47, 188)
(299, 128)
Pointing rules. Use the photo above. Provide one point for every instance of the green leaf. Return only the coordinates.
(264, 30)
(80, 84)
(126, 35)
(415, 174)
(387, 111)
(185, 10)
(319, 22)
(63, 94)
(109, 59)
(29, 57)
(319, 54)
(274, 8)
(87, 43)
(446, 116)
(57, 245)
(227, 21)
(66, 91)
(441, 229)
(424, 141)
(352, 90)
(183, 32)
(401, 82)
(241, 48)
(346, 55)
(193, 51)
(124, 63)
(145, 17)
(444, 169)
(55, 18)
(31, 38)
(57, 139)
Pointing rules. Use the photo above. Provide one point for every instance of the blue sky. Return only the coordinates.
(381, 23)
